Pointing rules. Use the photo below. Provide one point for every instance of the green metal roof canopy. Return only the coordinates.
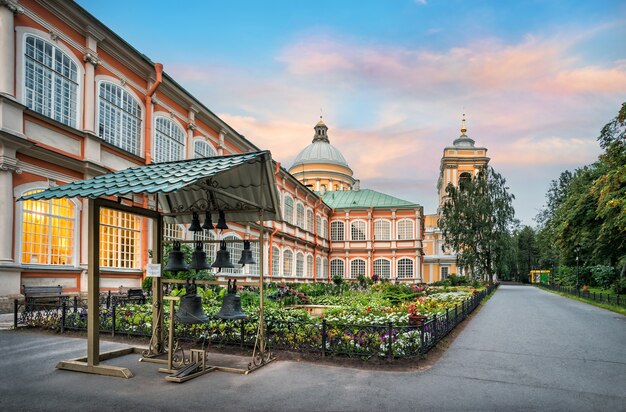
(240, 185)
(363, 198)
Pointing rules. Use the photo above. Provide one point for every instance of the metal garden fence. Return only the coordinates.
(617, 300)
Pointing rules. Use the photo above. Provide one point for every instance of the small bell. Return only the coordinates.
(208, 223)
(221, 221)
(195, 223)
(198, 258)
(190, 310)
(176, 260)
(231, 305)
(222, 260)
(246, 255)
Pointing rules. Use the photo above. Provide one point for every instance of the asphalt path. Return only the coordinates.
(527, 349)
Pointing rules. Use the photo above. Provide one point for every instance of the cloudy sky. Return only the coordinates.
(536, 79)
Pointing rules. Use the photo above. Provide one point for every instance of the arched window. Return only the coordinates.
(405, 268)
(382, 268)
(120, 239)
(309, 220)
(49, 231)
(357, 268)
(318, 225)
(309, 266)
(202, 149)
(336, 268)
(50, 81)
(325, 229)
(299, 264)
(287, 262)
(275, 261)
(288, 209)
(300, 215)
(318, 268)
(119, 120)
(336, 230)
(405, 229)
(382, 230)
(169, 141)
(325, 267)
(235, 249)
(357, 230)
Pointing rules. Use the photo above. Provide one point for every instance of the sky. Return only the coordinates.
(537, 80)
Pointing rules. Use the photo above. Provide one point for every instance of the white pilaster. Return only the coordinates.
(8, 9)
(8, 166)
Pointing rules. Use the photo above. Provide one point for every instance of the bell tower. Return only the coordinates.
(460, 161)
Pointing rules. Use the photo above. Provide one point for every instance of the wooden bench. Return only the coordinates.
(134, 295)
(43, 295)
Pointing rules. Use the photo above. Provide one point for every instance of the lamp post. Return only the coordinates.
(577, 250)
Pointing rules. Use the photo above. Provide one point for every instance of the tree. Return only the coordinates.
(527, 257)
(475, 221)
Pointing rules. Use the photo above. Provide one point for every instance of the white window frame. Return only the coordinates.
(299, 265)
(318, 225)
(447, 272)
(19, 191)
(288, 256)
(171, 139)
(319, 270)
(120, 112)
(325, 228)
(300, 215)
(382, 229)
(402, 232)
(288, 215)
(276, 255)
(337, 230)
(138, 253)
(208, 147)
(402, 267)
(309, 265)
(382, 268)
(310, 220)
(337, 267)
(358, 267)
(356, 233)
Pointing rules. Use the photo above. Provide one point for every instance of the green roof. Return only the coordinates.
(364, 198)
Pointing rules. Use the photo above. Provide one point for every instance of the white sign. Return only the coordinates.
(153, 270)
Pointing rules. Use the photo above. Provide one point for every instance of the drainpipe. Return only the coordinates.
(317, 204)
(158, 67)
(372, 240)
(271, 244)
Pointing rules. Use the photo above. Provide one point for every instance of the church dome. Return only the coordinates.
(320, 150)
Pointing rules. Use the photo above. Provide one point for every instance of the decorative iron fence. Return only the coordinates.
(607, 298)
(315, 337)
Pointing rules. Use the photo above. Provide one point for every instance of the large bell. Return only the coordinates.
(246, 255)
(195, 223)
(208, 223)
(190, 310)
(198, 258)
(221, 221)
(176, 260)
(231, 306)
(222, 260)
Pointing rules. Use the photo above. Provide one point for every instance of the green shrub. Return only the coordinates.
(604, 276)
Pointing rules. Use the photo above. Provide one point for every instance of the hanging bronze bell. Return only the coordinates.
(222, 260)
(246, 255)
(190, 310)
(221, 221)
(195, 223)
(231, 305)
(198, 258)
(176, 260)
(208, 223)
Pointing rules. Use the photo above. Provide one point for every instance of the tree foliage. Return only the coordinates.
(475, 221)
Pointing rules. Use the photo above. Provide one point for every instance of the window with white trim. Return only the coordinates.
(318, 225)
(50, 81)
(119, 119)
(336, 230)
(357, 268)
(382, 230)
(234, 248)
(382, 268)
(275, 261)
(287, 262)
(309, 266)
(325, 267)
(309, 220)
(209, 247)
(325, 228)
(444, 272)
(202, 149)
(319, 270)
(169, 141)
(357, 230)
(288, 209)
(173, 231)
(120, 239)
(300, 215)
(299, 265)
(405, 229)
(405, 268)
(336, 268)
(48, 231)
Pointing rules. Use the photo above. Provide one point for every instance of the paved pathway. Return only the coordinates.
(527, 349)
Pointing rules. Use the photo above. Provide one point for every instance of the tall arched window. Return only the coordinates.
(336, 268)
(318, 268)
(50, 81)
(119, 119)
(309, 220)
(405, 229)
(288, 209)
(325, 267)
(299, 264)
(48, 231)
(235, 249)
(309, 266)
(169, 141)
(382, 230)
(318, 226)
(325, 228)
(300, 215)
(357, 268)
(382, 268)
(357, 230)
(202, 149)
(405, 268)
(287, 262)
(336, 230)
(275, 261)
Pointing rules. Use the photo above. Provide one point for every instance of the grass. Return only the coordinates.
(613, 308)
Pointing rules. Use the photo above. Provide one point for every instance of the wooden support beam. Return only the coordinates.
(93, 285)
